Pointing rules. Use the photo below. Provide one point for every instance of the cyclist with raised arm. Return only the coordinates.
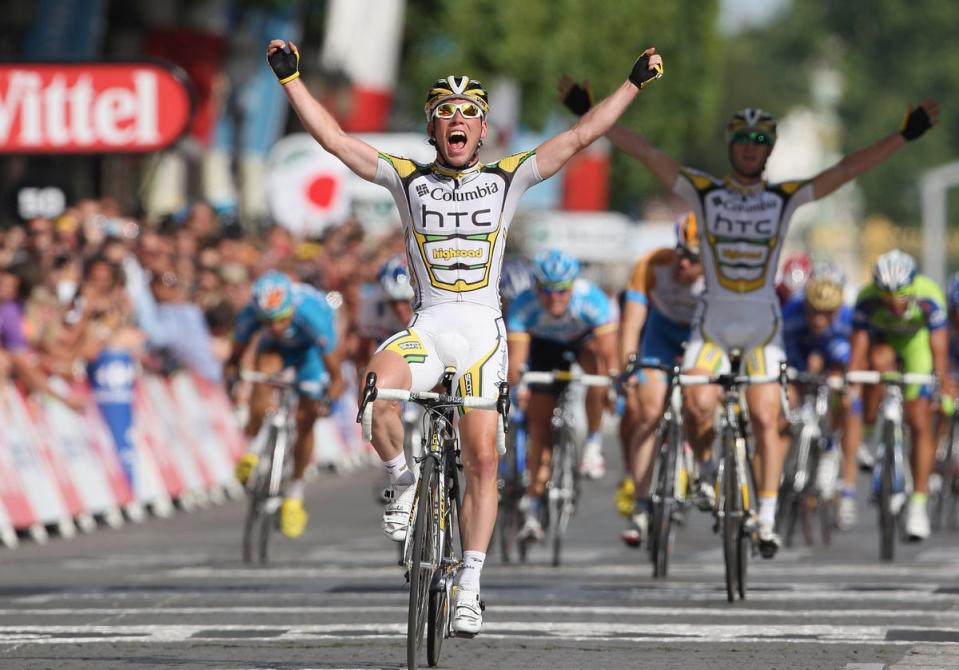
(900, 320)
(455, 213)
(660, 302)
(561, 320)
(816, 330)
(743, 222)
(293, 326)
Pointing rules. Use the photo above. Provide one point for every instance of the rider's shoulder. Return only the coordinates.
(700, 180)
(512, 162)
(927, 287)
(404, 167)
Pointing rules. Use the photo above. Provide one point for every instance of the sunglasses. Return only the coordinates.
(754, 136)
(556, 289)
(447, 110)
(686, 254)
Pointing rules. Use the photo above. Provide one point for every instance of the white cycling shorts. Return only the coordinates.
(752, 326)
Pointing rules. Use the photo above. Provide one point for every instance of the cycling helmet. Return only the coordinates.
(394, 277)
(751, 119)
(273, 296)
(454, 87)
(515, 278)
(952, 292)
(824, 290)
(894, 271)
(795, 271)
(554, 269)
(687, 233)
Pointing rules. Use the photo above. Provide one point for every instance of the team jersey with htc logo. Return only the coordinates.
(455, 223)
(742, 231)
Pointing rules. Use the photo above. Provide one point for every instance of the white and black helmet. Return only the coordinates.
(894, 271)
(750, 119)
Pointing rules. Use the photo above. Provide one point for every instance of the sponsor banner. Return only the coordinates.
(91, 107)
(73, 455)
(27, 460)
(222, 416)
(14, 495)
(193, 412)
(101, 442)
(168, 433)
(151, 457)
(111, 377)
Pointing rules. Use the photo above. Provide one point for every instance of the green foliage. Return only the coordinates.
(537, 42)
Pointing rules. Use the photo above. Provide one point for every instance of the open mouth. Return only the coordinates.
(456, 140)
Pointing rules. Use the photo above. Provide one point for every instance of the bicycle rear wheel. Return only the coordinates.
(732, 516)
(423, 559)
(887, 518)
(661, 532)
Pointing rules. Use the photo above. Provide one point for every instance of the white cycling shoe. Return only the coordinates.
(917, 520)
(846, 513)
(769, 541)
(396, 516)
(593, 464)
(467, 612)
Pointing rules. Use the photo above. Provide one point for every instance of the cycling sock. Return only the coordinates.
(593, 437)
(642, 505)
(469, 576)
(400, 475)
(918, 498)
(767, 510)
(846, 491)
(295, 489)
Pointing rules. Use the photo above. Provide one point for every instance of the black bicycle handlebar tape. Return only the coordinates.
(915, 124)
(642, 76)
(285, 63)
(578, 99)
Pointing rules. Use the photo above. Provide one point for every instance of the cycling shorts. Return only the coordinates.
(663, 339)
(467, 336)
(548, 355)
(752, 326)
(915, 354)
(308, 362)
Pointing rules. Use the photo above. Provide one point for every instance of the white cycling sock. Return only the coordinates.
(767, 510)
(469, 576)
(400, 474)
(295, 489)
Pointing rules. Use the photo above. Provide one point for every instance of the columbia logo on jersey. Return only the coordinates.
(422, 189)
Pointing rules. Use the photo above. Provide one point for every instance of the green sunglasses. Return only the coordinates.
(753, 136)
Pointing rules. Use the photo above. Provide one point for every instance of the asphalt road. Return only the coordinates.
(173, 593)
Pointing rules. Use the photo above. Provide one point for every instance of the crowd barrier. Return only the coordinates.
(62, 470)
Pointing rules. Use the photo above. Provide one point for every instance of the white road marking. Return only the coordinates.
(578, 631)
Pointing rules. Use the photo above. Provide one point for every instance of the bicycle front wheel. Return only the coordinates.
(887, 518)
(562, 493)
(423, 559)
(255, 531)
(732, 511)
(661, 532)
(439, 607)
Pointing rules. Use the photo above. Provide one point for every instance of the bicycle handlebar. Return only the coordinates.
(422, 397)
(279, 381)
(897, 378)
(565, 376)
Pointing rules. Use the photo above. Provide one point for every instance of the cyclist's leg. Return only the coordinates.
(916, 355)
(261, 399)
(702, 357)
(627, 433)
(589, 356)
(651, 402)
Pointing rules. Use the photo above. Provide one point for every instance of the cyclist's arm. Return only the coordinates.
(553, 154)
(605, 347)
(517, 346)
(664, 168)
(333, 361)
(356, 154)
(631, 325)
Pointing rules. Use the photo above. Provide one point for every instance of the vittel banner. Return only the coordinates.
(91, 107)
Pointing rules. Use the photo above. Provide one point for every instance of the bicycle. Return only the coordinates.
(671, 467)
(274, 468)
(944, 481)
(735, 512)
(562, 489)
(430, 552)
(891, 477)
(511, 484)
(799, 491)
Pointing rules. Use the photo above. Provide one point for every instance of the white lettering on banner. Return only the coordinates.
(88, 107)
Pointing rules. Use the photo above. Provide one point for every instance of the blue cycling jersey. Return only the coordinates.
(589, 309)
(832, 345)
(310, 335)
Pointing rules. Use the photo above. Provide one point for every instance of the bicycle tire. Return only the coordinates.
(258, 492)
(561, 502)
(423, 547)
(946, 488)
(887, 519)
(507, 517)
(662, 529)
(439, 609)
(732, 516)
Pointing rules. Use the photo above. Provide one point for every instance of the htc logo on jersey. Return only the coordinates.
(479, 218)
(463, 196)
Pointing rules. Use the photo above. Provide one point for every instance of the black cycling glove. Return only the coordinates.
(578, 99)
(642, 76)
(915, 123)
(285, 63)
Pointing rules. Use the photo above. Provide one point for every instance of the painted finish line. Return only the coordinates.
(598, 631)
